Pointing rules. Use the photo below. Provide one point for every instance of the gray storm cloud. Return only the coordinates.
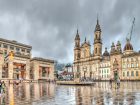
(50, 25)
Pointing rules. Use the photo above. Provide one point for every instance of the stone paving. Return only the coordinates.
(52, 94)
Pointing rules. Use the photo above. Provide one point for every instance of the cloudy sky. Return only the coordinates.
(50, 25)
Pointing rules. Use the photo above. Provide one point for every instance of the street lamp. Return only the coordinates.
(91, 74)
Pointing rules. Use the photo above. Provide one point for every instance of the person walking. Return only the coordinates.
(118, 82)
(0, 86)
(3, 87)
(110, 81)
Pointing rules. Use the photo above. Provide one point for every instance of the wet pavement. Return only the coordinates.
(52, 94)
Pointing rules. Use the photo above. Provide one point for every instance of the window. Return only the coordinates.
(96, 36)
(43, 72)
(5, 52)
(132, 59)
(128, 65)
(127, 73)
(137, 64)
(78, 53)
(28, 51)
(132, 73)
(123, 65)
(123, 74)
(17, 49)
(132, 65)
(23, 50)
(11, 47)
(137, 73)
(105, 71)
(96, 50)
(5, 46)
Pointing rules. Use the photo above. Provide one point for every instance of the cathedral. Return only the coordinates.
(123, 63)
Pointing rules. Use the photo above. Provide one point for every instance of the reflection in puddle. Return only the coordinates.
(50, 94)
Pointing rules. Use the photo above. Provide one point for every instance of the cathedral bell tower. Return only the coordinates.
(77, 47)
(97, 41)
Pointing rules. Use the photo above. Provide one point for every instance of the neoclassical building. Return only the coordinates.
(123, 63)
(16, 63)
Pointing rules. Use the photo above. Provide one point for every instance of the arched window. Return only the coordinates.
(123, 65)
(96, 36)
(123, 74)
(137, 64)
(85, 53)
(137, 73)
(78, 54)
(132, 73)
(44, 72)
(132, 65)
(96, 50)
(127, 73)
(127, 65)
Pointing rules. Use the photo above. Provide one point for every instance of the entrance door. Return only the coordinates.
(22, 74)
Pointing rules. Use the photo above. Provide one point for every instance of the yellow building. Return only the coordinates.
(103, 66)
(16, 62)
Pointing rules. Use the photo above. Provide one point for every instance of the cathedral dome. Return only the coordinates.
(128, 46)
(106, 53)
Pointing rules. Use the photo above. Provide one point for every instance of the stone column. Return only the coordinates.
(27, 90)
(1, 63)
(10, 69)
(11, 95)
(51, 74)
(0, 70)
(36, 70)
(27, 70)
(36, 93)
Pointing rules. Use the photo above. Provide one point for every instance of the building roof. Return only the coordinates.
(42, 59)
(68, 65)
(15, 42)
(77, 37)
(85, 43)
(106, 53)
(128, 46)
(97, 28)
(131, 55)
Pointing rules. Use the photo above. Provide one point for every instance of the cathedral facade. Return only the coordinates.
(118, 63)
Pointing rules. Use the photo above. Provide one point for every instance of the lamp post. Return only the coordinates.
(91, 74)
